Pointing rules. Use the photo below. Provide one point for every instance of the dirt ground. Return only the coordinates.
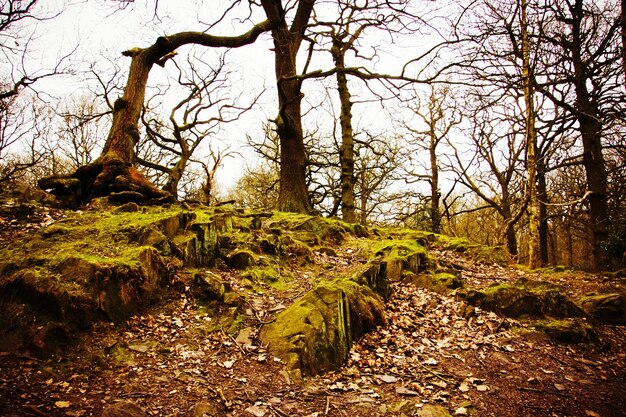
(167, 362)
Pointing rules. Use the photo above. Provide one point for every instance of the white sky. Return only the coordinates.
(93, 31)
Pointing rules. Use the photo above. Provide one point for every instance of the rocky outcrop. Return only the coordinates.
(525, 299)
(316, 332)
(608, 308)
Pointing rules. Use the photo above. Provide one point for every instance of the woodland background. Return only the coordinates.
(502, 121)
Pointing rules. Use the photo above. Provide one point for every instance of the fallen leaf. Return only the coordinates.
(406, 391)
(559, 387)
(482, 388)
(388, 379)
(590, 413)
(139, 348)
(62, 404)
(256, 411)
(463, 387)
(228, 364)
(461, 411)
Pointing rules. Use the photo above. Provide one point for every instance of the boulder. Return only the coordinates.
(525, 299)
(608, 308)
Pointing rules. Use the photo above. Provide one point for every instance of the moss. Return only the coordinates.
(568, 331)
(609, 308)
(315, 333)
(525, 298)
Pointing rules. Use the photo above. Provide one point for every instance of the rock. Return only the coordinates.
(316, 332)
(123, 409)
(525, 298)
(609, 308)
(241, 259)
(573, 331)
(209, 286)
(430, 410)
(204, 410)
(127, 208)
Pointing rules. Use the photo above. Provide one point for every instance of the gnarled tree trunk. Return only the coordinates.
(113, 173)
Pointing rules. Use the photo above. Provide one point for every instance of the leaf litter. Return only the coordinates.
(430, 353)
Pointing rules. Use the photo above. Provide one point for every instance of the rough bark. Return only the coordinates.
(346, 155)
(113, 173)
(293, 195)
(534, 259)
(590, 127)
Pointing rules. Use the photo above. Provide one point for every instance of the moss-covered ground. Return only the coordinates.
(240, 299)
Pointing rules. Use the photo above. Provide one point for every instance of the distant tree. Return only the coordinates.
(438, 115)
(169, 145)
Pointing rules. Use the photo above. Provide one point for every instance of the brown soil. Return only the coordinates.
(167, 362)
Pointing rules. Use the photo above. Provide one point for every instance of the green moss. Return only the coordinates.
(315, 333)
(568, 331)
(525, 298)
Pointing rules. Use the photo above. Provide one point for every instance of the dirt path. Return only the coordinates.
(168, 364)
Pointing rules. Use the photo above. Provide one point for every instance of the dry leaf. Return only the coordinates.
(62, 404)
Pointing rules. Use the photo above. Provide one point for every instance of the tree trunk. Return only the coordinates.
(534, 251)
(435, 195)
(293, 195)
(346, 155)
(623, 27)
(114, 171)
(542, 195)
(511, 239)
(590, 128)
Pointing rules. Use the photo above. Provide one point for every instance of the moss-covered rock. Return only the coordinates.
(316, 332)
(525, 298)
(441, 282)
(431, 410)
(568, 331)
(609, 308)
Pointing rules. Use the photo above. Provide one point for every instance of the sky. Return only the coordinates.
(95, 31)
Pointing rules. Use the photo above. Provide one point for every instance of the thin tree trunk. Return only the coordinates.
(346, 154)
(435, 195)
(534, 251)
(542, 195)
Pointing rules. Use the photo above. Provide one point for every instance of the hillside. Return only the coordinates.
(196, 311)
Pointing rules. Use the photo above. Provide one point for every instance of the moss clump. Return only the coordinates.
(525, 298)
(440, 282)
(315, 333)
(609, 308)
(568, 331)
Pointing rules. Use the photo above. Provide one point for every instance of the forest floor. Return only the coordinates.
(166, 361)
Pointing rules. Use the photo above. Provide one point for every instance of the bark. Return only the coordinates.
(293, 195)
(534, 259)
(542, 195)
(435, 195)
(623, 29)
(114, 172)
(590, 127)
(346, 155)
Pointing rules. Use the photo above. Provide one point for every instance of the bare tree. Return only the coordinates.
(438, 115)
(114, 171)
(197, 117)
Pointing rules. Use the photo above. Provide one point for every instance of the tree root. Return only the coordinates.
(112, 178)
